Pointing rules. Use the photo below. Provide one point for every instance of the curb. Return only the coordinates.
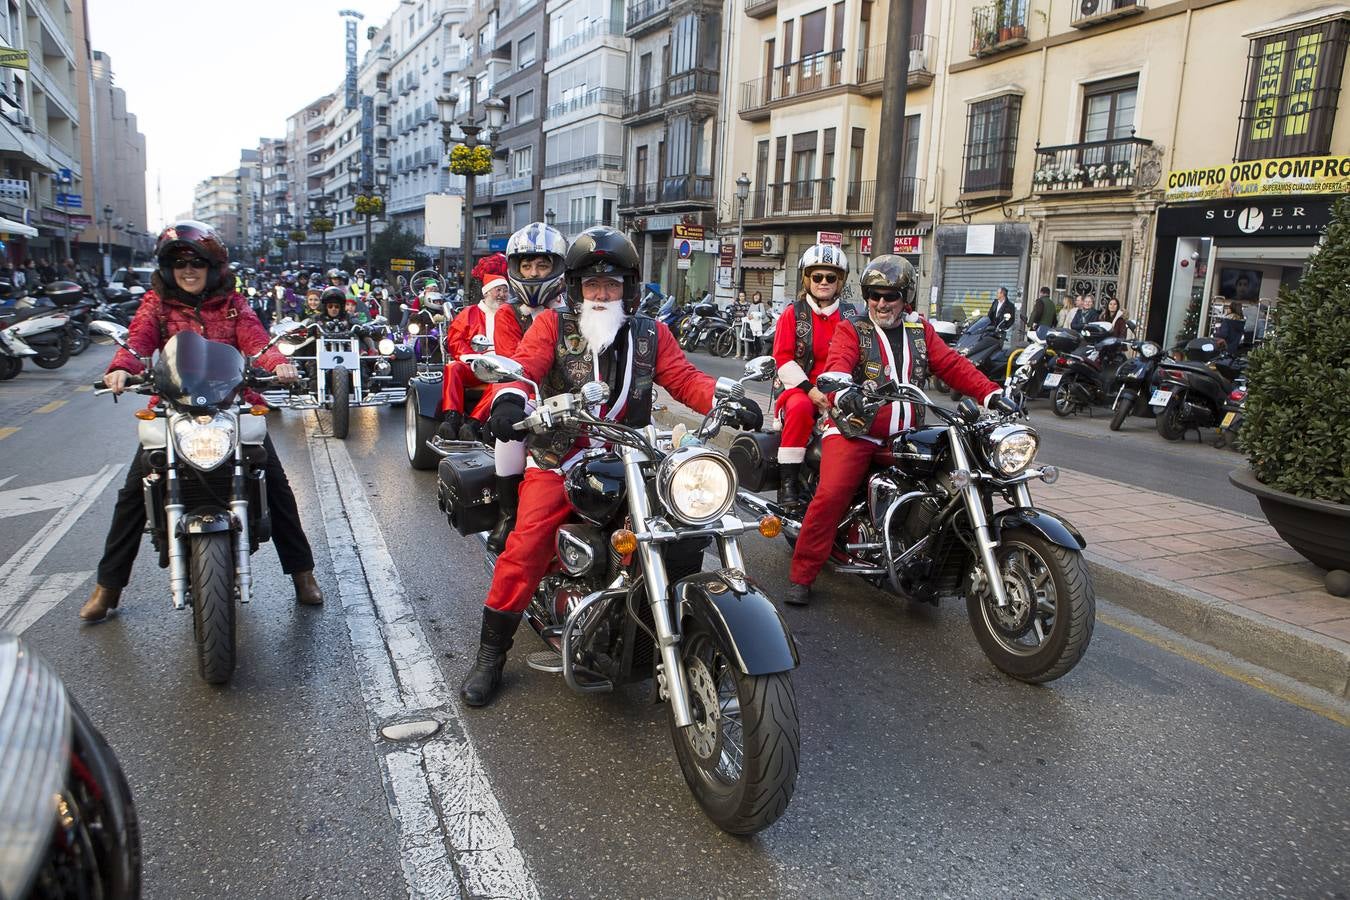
(1318, 662)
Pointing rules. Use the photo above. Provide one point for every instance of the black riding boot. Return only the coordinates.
(483, 680)
(450, 425)
(789, 493)
(508, 498)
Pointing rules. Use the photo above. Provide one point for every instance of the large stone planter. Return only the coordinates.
(1318, 529)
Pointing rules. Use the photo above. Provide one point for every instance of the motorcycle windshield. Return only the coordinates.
(192, 371)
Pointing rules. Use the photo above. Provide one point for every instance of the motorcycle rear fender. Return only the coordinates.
(746, 621)
(208, 521)
(1054, 528)
(154, 433)
(428, 397)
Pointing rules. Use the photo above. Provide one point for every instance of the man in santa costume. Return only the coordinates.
(800, 342)
(891, 343)
(472, 321)
(597, 337)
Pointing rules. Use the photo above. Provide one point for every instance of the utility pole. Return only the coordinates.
(891, 150)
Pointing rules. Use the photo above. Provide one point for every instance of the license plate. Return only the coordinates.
(1228, 419)
(1160, 398)
(1053, 379)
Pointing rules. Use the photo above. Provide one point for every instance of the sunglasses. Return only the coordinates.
(883, 297)
(194, 263)
(824, 277)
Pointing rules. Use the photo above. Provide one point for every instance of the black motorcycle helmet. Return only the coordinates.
(199, 239)
(334, 296)
(337, 276)
(602, 251)
(889, 272)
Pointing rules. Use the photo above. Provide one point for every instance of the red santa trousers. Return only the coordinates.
(843, 466)
(529, 548)
(799, 417)
(458, 379)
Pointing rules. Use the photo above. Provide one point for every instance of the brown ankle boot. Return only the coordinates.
(307, 589)
(101, 602)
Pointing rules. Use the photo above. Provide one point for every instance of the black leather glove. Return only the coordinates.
(851, 402)
(1009, 403)
(506, 413)
(749, 417)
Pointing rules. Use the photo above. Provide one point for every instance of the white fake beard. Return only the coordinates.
(600, 323)
(492, 305)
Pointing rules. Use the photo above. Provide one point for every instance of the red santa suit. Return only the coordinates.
(643, 353)
(471, 322)
(905, 353)
(801, 341)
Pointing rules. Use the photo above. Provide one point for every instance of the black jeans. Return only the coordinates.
(128, 523)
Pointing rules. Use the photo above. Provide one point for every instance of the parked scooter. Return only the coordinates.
(1085, 376)
(1234, 410)
(28, 331)
(984, 345)
(1193, 393)
(1136, 378)
(705, 324)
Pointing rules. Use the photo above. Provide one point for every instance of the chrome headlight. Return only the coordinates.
(1149, 350)
(205, 441)
(414, 328)
(386, 347)
(1012, 448)
(697, 484)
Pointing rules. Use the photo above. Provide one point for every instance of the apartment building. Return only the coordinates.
(118, 204)
(306, 130)
(1156, 152)
(512, 196)
(672, 123)
(271, 216)
(215, 201)
(422, 46)
(586, 70)
(800, 119)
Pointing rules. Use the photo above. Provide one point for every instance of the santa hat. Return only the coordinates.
(489, 266)
(492, 282)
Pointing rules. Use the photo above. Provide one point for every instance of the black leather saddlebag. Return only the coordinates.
(754, 454)
(467, 490)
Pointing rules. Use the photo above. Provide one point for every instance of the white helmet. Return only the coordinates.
(824, 256)
(536, 239)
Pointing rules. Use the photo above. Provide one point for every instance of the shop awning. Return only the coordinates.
(9, 226)
(757, 262)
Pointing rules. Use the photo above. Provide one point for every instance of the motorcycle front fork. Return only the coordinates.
(984, 537)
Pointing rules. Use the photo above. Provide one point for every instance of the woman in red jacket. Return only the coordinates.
(193, 290)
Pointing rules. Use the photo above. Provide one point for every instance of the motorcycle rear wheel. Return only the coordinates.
(417, 430)
(342, 402)
(1052, 604)
(1062, 399)
(56, 359)
(740, 762)
(1169, 423)
(211, 569)
(79, 339)
(10, 366)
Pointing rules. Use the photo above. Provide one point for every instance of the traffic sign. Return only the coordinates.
(64, 176)
(684, 249)
(692, 232)
(403, 262)
(70, 201)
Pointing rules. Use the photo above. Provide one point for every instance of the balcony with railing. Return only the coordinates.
(998, 27)
(597, 101)
(644, 104)
(809, 197)
(758, 9)
(860, 197)
(808, 75)
(693, 190)
(644, 15)
(1090, 167)
(583, 164)
(872, 64)
(1087, 13)
(676, 89)
(593, 32)
(503, 186)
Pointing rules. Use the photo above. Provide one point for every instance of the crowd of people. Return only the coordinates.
(33, 273)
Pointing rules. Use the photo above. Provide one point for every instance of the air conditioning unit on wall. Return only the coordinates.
(775, 244)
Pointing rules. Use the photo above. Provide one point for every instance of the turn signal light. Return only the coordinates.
(146, 415)
(771, 526)
(623, 541)
(257, 409)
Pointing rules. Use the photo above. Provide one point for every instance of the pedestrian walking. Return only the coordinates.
(1043, 310)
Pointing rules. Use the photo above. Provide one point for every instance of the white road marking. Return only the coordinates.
(54, 588)
(39, 497)
(453, 837)
(16, 572)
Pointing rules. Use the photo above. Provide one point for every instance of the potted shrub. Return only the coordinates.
(1296, 431)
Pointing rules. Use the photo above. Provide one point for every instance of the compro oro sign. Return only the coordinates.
(1262, 178)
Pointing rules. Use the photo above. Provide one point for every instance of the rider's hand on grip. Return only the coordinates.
(1010, 404)
(116, 381)
(749, 417)
(851, 402)
(506, 414)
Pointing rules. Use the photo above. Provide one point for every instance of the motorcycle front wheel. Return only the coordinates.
(79, 339)
(740, 755)
(1124, 403)
(342, 402)
(1062, 399)
(211, 569)
(1045, 629)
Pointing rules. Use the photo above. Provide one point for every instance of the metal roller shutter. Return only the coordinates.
(970, 283)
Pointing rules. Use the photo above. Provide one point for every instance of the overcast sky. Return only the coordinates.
(208, 80)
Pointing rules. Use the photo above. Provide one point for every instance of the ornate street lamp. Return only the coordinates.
(742, 194)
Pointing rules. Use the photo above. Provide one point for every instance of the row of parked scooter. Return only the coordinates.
(1196, 387)
(48, 325)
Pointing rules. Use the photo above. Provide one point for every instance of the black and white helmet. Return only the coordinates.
(824, 256)
(536, 239)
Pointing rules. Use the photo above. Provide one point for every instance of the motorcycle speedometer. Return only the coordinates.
(1149, 350)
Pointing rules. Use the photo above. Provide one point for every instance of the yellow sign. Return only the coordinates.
(402, 262)
(14, 59)
(1262, 178)
(401, 267)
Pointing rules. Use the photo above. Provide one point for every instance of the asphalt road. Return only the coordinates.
(1134, 455)
(924, 772)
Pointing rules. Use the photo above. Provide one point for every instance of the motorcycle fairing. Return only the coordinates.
(745, 620)
(1052, 527)
(153, 433)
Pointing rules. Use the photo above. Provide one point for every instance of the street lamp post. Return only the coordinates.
(496, 114)
(550, 216)
(742, 194)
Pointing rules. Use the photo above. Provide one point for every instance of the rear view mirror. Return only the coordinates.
(105, 333)
(491, 368)
(761, 368)
(831, 382)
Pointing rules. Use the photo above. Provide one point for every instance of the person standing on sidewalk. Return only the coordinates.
(800, 344)
(1042, 311)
